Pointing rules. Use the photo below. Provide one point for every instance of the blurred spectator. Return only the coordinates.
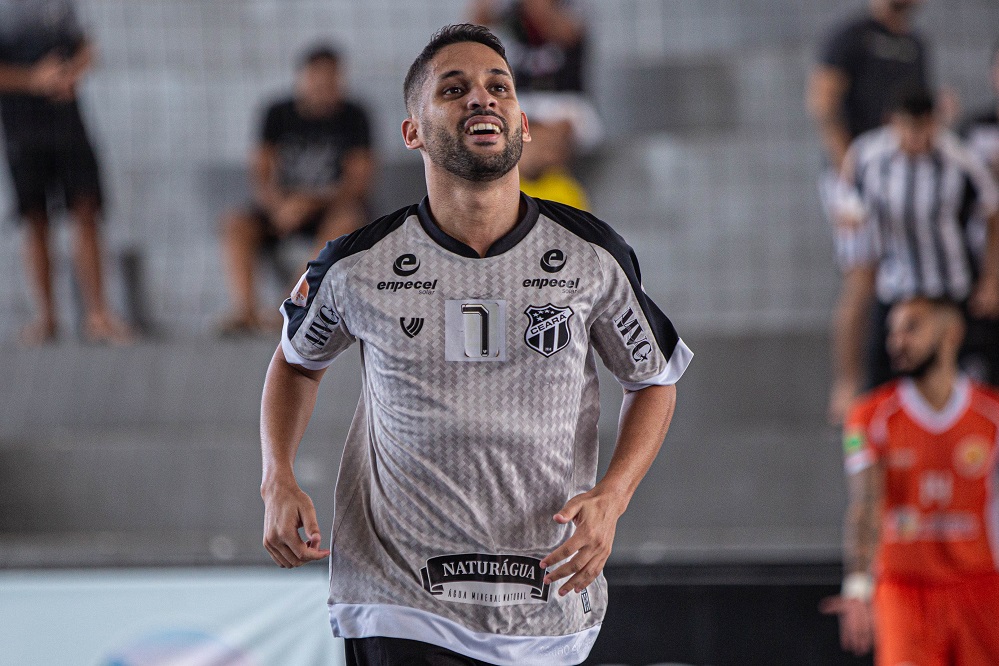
(907, 193)
(44, 54)
(546, 44)
(981, 132)
(850, 89)
(544, 164)
(311, 172)
(545, 41)
(849, 92)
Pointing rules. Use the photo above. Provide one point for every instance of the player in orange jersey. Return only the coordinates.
(922, 527)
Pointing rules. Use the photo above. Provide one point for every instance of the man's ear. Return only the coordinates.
(525, 127)
(411, 134)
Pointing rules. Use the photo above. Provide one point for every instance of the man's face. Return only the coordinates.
(320, 86)
(915, 134)
(916, 332)
(468, 118)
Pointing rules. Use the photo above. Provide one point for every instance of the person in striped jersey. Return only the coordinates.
(906, 195)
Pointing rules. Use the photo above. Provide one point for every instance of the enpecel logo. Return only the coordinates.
(405, 265)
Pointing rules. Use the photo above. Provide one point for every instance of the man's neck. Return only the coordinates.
(937, 386)
(896, 22)
(476, 213)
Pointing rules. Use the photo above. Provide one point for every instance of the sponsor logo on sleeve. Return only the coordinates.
(486, 579)
(300, 294)
(853, 442)
(633, 335)
(321, 328)
(548, 329)
(411, 327)
(405, 265)
(553, 261)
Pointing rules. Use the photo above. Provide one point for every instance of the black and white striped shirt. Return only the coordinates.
(916, 212)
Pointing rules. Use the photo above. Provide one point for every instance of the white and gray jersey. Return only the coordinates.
(981, 134)
(917, 211)
(477, 420)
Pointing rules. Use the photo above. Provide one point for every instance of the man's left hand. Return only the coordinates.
(595, 515)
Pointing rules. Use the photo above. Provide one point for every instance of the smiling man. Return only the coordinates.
(469, 525)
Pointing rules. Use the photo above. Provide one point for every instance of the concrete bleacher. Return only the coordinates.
(149, 454)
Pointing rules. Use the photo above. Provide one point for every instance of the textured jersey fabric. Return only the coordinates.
(940, 516)
(477, 420)
(878, 63)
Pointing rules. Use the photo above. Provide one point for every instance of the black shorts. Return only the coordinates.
(61, 174)
(270, 237)
(380, 651)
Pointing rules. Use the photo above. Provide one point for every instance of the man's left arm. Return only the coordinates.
(645, 419)
(985, 299)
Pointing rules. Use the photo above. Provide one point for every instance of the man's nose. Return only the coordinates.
(479, 97)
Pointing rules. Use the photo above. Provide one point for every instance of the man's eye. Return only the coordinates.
(452, 90)
(500, 88)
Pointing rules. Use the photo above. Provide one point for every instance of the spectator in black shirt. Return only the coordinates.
(311, 172)
(44, 54)
(861, 67)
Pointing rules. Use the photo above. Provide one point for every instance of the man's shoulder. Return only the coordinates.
(868, 404)
(283, 104)
(353, 109)
(361, 240)
(585, 225)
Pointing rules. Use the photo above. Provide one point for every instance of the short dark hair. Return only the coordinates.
(914, 102)
(317, 53)
(450, 34)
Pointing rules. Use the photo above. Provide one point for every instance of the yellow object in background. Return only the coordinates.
(556, 185)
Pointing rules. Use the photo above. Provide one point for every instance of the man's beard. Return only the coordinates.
(920, 369)
(449, 151)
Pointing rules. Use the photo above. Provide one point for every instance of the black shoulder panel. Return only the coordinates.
(349, 244)
(595, 231)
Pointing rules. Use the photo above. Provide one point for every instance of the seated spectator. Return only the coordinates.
(44, 54)
(907, 192)
(310, 175)
(544, 164)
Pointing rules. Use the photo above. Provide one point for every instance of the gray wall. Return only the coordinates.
(149, 454)
(709, 171)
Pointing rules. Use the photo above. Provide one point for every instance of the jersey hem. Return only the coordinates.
(675, 368)
(291, 354)
(367, 620)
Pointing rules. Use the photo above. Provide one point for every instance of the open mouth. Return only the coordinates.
(481, 127)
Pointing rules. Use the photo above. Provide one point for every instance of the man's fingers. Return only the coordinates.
(831, 605)
(567, 568)
(586, 574)
(569, 511)
(570, 546)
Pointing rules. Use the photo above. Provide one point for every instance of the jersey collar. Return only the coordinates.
(924, 414)
(505, 243)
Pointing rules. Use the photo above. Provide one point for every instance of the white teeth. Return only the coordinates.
(484, 127)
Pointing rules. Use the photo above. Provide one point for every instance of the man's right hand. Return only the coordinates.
(286, 509)
(856, 622)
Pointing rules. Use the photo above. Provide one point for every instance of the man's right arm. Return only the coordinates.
(289, 398)
(861, 534)
(827, 88)
(43, 78)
